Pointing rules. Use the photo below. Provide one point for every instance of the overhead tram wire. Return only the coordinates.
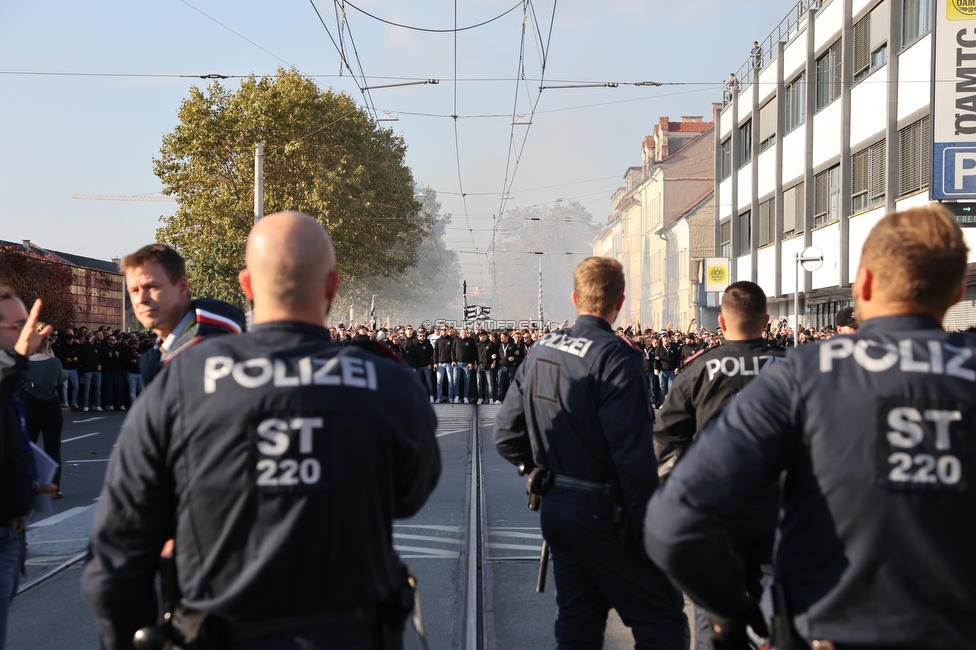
(457, 140)
(436, 31)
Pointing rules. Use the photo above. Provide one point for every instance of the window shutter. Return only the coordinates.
(909, 159)
(862, 44)
(767, 120)
(859, 173)
(879, 25)
(876, 179)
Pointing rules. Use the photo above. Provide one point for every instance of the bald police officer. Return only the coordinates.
(271, 457)
(875, 433)
(699, 393)
(578, 411)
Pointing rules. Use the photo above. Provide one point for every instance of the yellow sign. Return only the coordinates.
(718, 274)
(961, 9)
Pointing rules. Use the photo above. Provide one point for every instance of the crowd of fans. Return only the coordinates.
(101, 366)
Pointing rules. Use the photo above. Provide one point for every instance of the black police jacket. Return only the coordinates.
(16, 486)
(280, 459)
(876, 536)
(578, 407)
(701, 390)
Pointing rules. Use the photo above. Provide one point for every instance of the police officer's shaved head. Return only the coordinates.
(744, 311)
(913, 261)
(290, 272)
(598, 285)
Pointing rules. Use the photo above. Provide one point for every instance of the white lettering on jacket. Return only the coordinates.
(260, 371)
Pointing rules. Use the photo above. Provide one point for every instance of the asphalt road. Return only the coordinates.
(434, 543)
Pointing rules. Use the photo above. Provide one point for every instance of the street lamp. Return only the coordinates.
(811, 259)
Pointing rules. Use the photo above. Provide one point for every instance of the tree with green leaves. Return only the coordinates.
(324, 156)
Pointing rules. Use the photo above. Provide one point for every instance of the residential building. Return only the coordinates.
(831, 130)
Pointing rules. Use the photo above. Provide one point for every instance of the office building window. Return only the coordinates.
(828, 76)
(914, 157)
(743, 235)
(745, 143)
(794, 202)
(826, 196)
(916, 20)
(871, 41)
(725, 160)
(725, 237)
(767, 222)
(795, 105)
(767, 125)
(868, 177)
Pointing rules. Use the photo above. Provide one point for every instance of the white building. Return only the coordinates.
(815, 143)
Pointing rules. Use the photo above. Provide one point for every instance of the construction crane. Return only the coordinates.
(158, 198)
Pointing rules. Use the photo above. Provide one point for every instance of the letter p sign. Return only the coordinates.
(965, 165)
(954, 171)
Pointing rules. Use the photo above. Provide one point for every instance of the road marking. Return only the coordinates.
(61, 516)
(453, 529)
(514, 534)
(101, 417)
(447, 433)
(93, 460)
(514, 547)
(87, 435)
(444, 540)
(60, 541)
(428, 552)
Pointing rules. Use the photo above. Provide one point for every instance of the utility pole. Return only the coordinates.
(258, 181)
(540, 294)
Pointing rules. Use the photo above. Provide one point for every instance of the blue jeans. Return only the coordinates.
(462, 372)
(427, 379)
(486, 384)
(446, 388)
(666, 378)
(91, 382)
(135, 386)
(71, 387)
(503, 381)
(12, 549)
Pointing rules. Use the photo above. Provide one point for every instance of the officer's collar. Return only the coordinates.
(291, 326)
(595, 321)
(910, 322)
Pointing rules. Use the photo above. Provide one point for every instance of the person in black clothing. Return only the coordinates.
(361, 337)
(258, 474)
(443, 357)
(699, 393)
(18, 475)
(130, 364)
(508, 352)
(689, 349)
(464, 357)
(67, 353)
(405, 352)
(90, 364)
(577, 411)
(487, 355)
(667, 356)
(871, 435)
(113, 375)
(424, 353)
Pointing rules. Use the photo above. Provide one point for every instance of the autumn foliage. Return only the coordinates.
(33, 276)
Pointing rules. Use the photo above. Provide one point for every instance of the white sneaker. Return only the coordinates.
(97, 408)
(85, 409)
(431, 400)
(108, 408)
(457, 401)
(121, 408)
(498, 401)
(465, 400)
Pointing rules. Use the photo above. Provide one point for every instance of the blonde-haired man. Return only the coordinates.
(577, 416)
(875, 433)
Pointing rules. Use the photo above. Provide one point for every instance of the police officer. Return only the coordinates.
(577, 410)
(700, 391)
(875, 433)
(281, 460)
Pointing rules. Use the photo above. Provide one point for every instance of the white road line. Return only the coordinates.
(444, 540)
(61, 516)
(447, 433)
(87, 435)
(60, 541)
(101, 417)
(515, 547)
(91, 460)
(453, 529)
(428, 552)
(495, 533)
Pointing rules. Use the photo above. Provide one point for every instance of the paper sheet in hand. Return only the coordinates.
(46, 467)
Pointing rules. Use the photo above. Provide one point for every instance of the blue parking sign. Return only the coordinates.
(954, 171)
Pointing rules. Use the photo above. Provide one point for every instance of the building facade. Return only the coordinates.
(818, 138)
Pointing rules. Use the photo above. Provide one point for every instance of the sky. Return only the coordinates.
(87, 91)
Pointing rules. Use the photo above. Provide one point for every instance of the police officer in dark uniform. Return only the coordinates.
(700, 391)
(578, 411)
(875, 432)
(271, 456)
